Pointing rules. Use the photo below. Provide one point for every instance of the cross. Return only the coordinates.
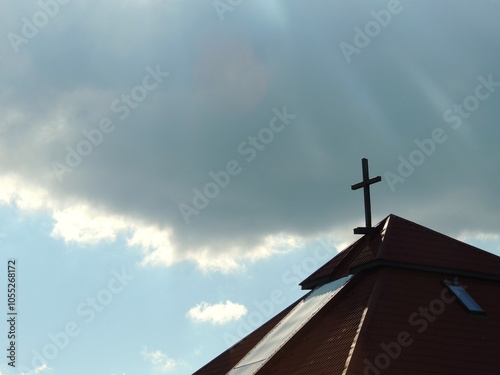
(365, 184)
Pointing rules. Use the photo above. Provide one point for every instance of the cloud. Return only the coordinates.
(15, 191)
(39, 370)
(82, 224)
(81, 94)
(219, 313)
(159, 360)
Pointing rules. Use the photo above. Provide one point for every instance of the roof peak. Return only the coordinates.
(402, 243)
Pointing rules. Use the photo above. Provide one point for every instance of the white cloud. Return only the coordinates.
(40, 369)
(159, 360)
(468, 236)
(26, 197)
(208, 261)
(155, 244)
(79, 222)
(82, 224)
(218, 313)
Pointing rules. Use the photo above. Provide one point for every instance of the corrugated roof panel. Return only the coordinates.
(287, 327)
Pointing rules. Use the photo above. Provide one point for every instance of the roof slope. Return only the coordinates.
(395, 315)
(335, 325)
(402, 241)
(324, 345)
(440, 336)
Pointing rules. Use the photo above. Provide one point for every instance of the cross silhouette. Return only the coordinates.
(365, 184)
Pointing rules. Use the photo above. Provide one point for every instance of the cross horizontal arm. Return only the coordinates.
(359, 185)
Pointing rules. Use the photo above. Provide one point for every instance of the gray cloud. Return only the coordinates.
(225, 80)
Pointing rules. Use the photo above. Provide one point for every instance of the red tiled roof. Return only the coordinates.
(444, 338)
(324, 344)
(400, 240)
(397, 292)
(412, 243)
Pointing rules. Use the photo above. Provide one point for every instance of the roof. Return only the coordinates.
(403, 242)
(394, 315)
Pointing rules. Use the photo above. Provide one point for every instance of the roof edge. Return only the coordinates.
(378, 263)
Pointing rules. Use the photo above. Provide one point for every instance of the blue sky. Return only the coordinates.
(171, 170)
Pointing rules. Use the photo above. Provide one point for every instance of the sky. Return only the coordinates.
(171, 170)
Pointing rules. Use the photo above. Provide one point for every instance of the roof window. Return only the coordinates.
(464, 298)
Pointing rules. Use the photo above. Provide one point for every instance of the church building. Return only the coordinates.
(402, 299)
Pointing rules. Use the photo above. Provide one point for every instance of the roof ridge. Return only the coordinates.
(364, 324)
(355, 341)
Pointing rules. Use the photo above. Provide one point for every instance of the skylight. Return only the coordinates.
(465, 299)
(287, 327)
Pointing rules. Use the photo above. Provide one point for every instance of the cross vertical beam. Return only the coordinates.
(365, 184)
